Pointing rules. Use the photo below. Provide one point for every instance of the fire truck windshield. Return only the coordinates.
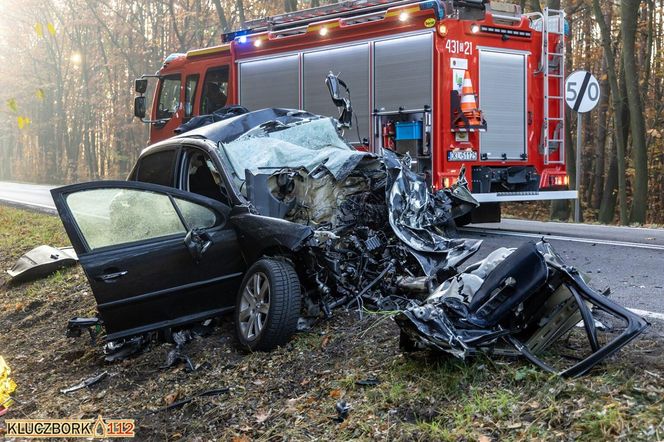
(169, 97)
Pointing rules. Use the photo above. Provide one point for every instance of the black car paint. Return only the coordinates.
(146, 298)
(259, 235)
(143, 297)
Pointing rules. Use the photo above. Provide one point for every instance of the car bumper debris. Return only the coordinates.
(40, 262)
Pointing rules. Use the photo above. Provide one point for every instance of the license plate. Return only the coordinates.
(462, 155)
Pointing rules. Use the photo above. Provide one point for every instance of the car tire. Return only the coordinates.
(268, 305)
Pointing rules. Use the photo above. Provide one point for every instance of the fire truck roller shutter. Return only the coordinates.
(272, 82)
(502, 98)
(403, 72)
(353, 64)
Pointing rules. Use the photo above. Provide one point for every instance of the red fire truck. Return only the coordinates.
(411, 66)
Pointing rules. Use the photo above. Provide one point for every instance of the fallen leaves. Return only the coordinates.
(170, 398)
(262, 416)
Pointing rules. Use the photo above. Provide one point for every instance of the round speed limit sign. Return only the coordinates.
(582, 91)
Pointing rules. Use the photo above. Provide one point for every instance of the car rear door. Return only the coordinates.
(130, 239)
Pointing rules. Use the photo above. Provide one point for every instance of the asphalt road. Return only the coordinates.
(628, 260)
(34, 196)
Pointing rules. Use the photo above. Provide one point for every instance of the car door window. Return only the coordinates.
(195, 215)
(189, 94)
(203, 177)
(215, 90)
(108, 217)
(157, 168)
(169, 96)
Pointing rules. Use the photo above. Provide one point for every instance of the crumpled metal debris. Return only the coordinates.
(514, 302)
(124, 348)
(85, 383)
(370, 382)
(42, 261)
(7, 387)
(343, 409)
(177, 354)
(182, 402)
(374, 228)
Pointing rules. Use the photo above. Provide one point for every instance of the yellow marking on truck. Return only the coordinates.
(208, 51)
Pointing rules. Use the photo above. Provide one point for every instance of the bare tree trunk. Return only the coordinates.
(290, 5)
(223, 22)
(617, 99)
(600, 140)
(607, 208)
(174, 21)
(535, 6)
(629, 15)
(239, 4)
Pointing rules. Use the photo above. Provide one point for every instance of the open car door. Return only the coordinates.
(155, 256)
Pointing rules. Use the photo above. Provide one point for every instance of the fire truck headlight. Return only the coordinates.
(323, 31)
(475, 28)
(566, 180)
(442, 30)
(242, 39)
(403, 16)
(258, 43)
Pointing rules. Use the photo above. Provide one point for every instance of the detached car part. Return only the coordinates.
(515, 302)
(42, 261)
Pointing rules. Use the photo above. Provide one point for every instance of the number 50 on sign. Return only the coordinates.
(582, 91)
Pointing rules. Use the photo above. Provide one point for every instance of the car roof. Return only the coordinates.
(229, 129)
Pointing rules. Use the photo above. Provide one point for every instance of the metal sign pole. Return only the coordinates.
(582, 95)
(577, 201)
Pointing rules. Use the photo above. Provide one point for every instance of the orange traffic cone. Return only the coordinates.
(468, 103)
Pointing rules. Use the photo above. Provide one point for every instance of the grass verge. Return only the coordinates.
(291, 393)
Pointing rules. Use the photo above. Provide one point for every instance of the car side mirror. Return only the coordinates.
(197, 242)
(141, 85)
(334, 85)
(139, 107)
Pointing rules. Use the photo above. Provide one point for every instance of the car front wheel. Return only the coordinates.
(268, 305)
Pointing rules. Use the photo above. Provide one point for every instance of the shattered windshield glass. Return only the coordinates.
(309, 145)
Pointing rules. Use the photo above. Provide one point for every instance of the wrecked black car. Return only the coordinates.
(273, 215)
(269, 213)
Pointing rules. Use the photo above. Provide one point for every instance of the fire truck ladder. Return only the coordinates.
(552, 66)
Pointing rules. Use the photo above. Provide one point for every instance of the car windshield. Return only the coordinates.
(308, 145)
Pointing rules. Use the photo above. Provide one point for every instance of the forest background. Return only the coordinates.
(67, 70)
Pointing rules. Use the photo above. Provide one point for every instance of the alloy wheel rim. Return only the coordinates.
(254, 306)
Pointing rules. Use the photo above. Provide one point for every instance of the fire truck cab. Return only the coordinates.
(452, 83)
